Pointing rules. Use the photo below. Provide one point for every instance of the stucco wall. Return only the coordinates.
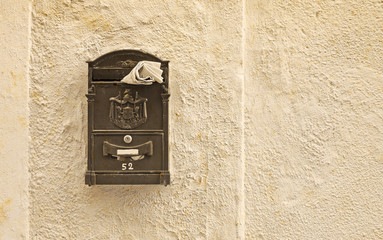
(314, 114)
(14, 138)
(276, 114)
(202, 41)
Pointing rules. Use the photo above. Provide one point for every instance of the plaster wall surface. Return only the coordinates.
(276, 114)
(313, 119)
(202, 41)
(14, 138)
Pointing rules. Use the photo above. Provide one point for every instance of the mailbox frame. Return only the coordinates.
(107, 71)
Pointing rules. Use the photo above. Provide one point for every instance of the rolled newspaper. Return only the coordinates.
(144, 73)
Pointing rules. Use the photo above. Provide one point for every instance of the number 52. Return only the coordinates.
(128, 166)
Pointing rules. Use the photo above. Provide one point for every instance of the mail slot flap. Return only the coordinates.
(110, 74)
(123, 58)
(116, 65)
(116, 74)
(143, 153)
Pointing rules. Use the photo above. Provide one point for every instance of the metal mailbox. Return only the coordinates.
(127, 123)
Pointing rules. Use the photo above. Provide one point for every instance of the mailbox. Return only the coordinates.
(127, 122)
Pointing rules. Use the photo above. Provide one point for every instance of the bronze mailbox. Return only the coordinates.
(127, 122)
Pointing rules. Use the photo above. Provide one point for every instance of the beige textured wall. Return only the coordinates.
(276, 119)
(14, 59)
(202, 41)
(314, 114)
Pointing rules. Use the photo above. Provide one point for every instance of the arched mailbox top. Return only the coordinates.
(123, 59)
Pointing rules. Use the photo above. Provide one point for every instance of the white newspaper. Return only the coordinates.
(144, 73)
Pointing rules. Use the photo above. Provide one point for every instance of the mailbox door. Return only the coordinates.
(144, 153)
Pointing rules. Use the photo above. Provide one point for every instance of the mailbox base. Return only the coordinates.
(99, 178)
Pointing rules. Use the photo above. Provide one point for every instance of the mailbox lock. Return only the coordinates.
(128, 138)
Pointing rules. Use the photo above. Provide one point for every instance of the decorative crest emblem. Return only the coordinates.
(126, 111)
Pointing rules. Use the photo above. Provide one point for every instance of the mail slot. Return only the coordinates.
(128, 119)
